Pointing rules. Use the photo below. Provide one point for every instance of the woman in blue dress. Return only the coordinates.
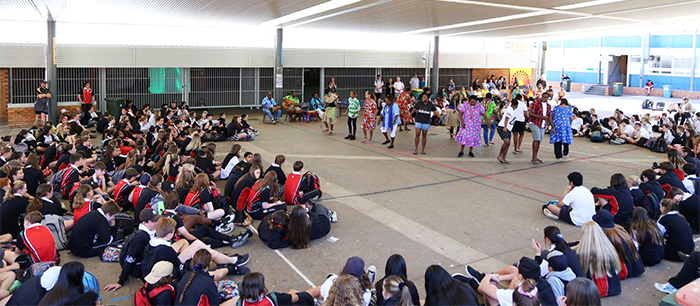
(561, 128)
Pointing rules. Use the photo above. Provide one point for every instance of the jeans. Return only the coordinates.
(352, 126)
(267, 112)
(489, 137)
(558, 149)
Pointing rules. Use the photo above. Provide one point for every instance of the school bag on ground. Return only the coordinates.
(56, 180)
(313, 181)
(91, 283)
(125, 223)
(55, 224)
(651, 204)
(143, 297)
(660, 146)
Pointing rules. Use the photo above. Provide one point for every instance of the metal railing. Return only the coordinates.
(24, 82)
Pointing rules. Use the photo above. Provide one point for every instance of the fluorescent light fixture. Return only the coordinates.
(586, 4)
(478, 22)
(343, 12)
(517, 26)
(317, 9)
(631, 25)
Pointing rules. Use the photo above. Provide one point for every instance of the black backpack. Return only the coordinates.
(660, 146)
(696, 185)
(651, 204)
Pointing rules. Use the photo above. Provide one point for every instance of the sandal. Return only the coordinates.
(415, 152)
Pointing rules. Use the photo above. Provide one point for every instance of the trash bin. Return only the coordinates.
(567, 85)
(617, 89)
(667, 91)
(114, 106)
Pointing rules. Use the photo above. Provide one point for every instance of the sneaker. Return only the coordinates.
(239, 240)
(473, 273)
(371, 273)
(683, 256)
(334, 217)
(467, 280)
(228, 219)
(348, 137)
(550, 214)
(224, 228)
(665, 288)
(237, 270)
(241, 259)
(386, 142)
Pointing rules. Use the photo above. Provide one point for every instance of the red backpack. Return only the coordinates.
(143, 297)
(313, 181)
(242, 202)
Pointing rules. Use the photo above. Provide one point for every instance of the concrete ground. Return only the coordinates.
(433, 209)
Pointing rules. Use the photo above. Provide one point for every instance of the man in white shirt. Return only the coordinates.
(576, 206)
(378, 86)
(398, 86)
(415, 82)
(519, 127)
(505, 126)
(639, 137)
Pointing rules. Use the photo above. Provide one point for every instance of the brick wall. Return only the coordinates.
(481, 73)
(23, 117)
(4, 92)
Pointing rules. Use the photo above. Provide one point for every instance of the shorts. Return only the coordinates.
(393, 131)
(565, 215)
(422, 126)
(537, 132)
(519, 127)
(504, 135)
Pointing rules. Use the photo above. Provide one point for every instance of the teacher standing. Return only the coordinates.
(86, 96)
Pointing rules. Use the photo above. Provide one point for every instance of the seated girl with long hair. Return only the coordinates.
(253, 292)
(599, 259)
(306, 226)
(262, 199)
(200, 197)
(632, 265)
(648, 237)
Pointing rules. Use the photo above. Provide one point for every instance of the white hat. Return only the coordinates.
(160, 269)
(50, 277)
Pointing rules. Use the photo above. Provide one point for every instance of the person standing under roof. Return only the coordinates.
(41, 103)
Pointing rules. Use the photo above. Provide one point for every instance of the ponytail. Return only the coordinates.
(79, 199)
(279, 217)
(554, 235)
(19, 184)
(189, 281)
(396, 286)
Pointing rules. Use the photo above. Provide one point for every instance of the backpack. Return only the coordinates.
(143, 297)
(618, 141)
(55, 224)
(651, 204)
(313, 181)
(271, 300)
(90, 282)
(56, 179)
(118, 176)
(124, 222)
(660, 146)
(242, 202)
(696, 184)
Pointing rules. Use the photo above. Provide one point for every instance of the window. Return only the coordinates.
(25, 81)
(214, 87)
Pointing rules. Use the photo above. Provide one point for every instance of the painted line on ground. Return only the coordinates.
(696, 239)
(291, 265)
(121, 298)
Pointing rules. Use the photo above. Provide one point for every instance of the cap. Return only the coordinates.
(145, 178)
(137, 168)
(557, 261)
(44, 81)
(605, 219)
(160, 269)
(355, 266)
(167, 186)
(529, 268)
(50, 277)
(148, 214)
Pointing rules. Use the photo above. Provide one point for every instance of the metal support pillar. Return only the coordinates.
(600, 60)
(51, 67)
(102, 95)
(436, 66)
(185, 81)
(322, 83)
(644, 58)
(542, 62)
(279, 70)
(694, 60)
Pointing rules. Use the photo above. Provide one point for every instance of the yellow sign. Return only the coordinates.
(523, 75)
(53, 47)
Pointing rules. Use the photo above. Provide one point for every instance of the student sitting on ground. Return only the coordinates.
(85, 201)
(72, 175)
(160, 249)
(559, 273)
(443, 289)
(95, 229)
(648, 236)
(688, 273)
(617, 199)
(396, 269)
(688, 207)
(633, 183)
(198, 287)
(306, 226)
(599, 259)
(262, 198)
(668, 176)
(555, 240)
(36, 242)
(231, 159)
(632, 265)
(650, 184)
(69, 285)
(131, 255)
(576, 206)
(639, 137)
(199, 196)
(676, 231)
(12, 209)
(281, 177)
(253, 292)
(354, 266)
(298, 188)
(158, 289)
(124, 187)
(527, 269)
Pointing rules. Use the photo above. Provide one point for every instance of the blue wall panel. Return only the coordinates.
(554, 44)
(622, 41)
(553, 75)
(576, 76)
(671, 41)
(581, 43)
(676, 82)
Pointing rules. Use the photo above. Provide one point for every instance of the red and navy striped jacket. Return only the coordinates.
(38, 242)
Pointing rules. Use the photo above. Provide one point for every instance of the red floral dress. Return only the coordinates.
(370, 117)
(403, 101)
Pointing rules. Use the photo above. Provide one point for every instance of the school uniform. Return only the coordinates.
(688, 273)
(142, 201)
(655, 187)
(3, 161)
(558, 280)
(295, 183)
(608, 284)
(205, 165)
(231, 180)
(38, 243)
(256, 199)
(33, 177)
(650, 252)
(88, 206)
(132, 259)
(12, 214)
(51, 207)
(281, 177)
(49, 156)
(320, 223)
(87, 152)
(30, 293)
(637, 196)
(672, 179)
(160, 250)
(62, 162)
(246, 182)
(94, 235)
(622, 205)
(544, 294)
(121, 193)
(69, 179)
(571, 260)
(630, 267)
(275, 238)
(184, 145)
(693, 160)
(165, 297)
(201, 291)
(678, 234)
(229, 162)
(689, 207)
(198, 199)
(379, 287)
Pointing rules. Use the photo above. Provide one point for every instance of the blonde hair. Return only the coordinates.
(18, 185)
(79, 199)
(634, 180)
(395, 286)
(195, 144)
(346, 291)
(595, 251)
